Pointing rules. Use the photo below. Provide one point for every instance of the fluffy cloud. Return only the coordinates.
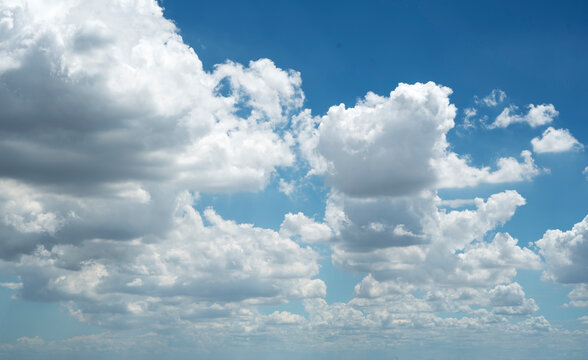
(111, 127)
(199, 271)
(136, 122)
(536, 116)
(510, 299)
(566, 253)
(134, 105)
(108, 118)
(410, 240)
(579, 296)
(555, 140)
(400, 141)
(454, 171)
(410, 246)
(566, 257)
(391, 138)
(306, 229)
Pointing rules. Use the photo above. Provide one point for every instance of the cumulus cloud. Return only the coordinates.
(391, 138)
(410, 246)
(555, 140)
(566, 259)
(510, 299)
(410, 240)
(537, 115)
(305, 229)
(579, 296)
(400, 140)
(111, 127)
(206, 266)
(566, 253)
(455, 172)
(134, 105)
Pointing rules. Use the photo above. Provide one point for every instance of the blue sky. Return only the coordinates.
(379, 180)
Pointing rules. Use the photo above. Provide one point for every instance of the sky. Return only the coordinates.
(293, 179)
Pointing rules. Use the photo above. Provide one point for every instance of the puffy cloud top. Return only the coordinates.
(555, 140)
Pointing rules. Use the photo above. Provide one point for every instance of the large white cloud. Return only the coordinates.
(566, 257)
(409, 245)
(566, 253)
(134, 102)
(396, 146)
(206, 266)
(414, 241)
(107, 118)
(390, 138)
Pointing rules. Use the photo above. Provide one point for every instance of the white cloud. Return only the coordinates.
(391, 138)
(135, 104)
(305, 229)
(469, 114)
(11, 285)
(537, 115)
(585, 172)
(555, 140)
(287, 188)
(566, 253)
(199, 270)
(454, 171)
(400, 141)
(107, 116)
(285, 318)
(21, 209)
(435, 246)
(579, 296)
(98, 184)
(566, 259)
(495, 97)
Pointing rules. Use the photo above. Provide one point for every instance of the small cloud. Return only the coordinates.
(11, 285)
(538, 115)
(304, 228)
(495, 97)
(555, 140)
(469, 114)
(27, 341)
(287, 188)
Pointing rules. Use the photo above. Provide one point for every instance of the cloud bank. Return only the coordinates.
(111, 128)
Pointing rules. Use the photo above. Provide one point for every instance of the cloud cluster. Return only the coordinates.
(133, 106)
(385, 158)
(537, 115)
(111, 128)
(207, 267)
(108, 119)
